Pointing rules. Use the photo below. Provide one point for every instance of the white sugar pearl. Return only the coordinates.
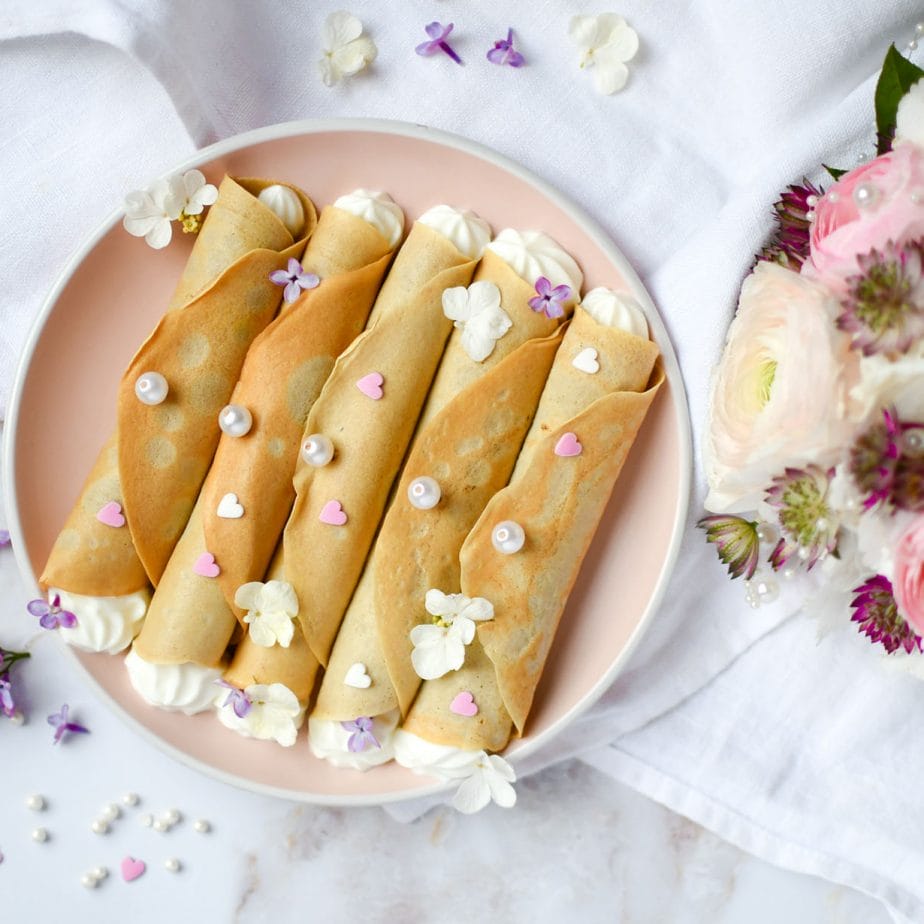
(111, 812)
(865, 195)
(173, 864)
(99, 872)
(919, 29)
(317, 450)
(160, 825)
(151, 388)
(100, 826)
(89, 881)
(35, 802)
(40, 835)
(147, 819)
(508, 537)
(424, 493)
(172, 816)
(202, 826)
(130, 799)
(235, 420)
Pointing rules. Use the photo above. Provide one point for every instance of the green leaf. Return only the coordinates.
(835, 172)
(898, 76)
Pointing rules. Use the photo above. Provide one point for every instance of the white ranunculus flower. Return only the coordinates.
(477, 312)
(909, 120)
(271, 608)
(780, 393)
(885, 382)
(275, 714)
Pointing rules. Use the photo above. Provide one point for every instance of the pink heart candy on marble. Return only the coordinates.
(132, 868)
(111, 514)
(332, 513)
(371, 385)
(568, 445)
(206, 565)
(464, 704)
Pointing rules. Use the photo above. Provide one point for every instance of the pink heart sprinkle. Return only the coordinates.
(111, 514)
(206, 565)
(371, 385)
(332, 513)
(568, 445)
(132, 868)
(464, 704)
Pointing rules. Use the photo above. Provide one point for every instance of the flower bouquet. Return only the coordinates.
(814, 449)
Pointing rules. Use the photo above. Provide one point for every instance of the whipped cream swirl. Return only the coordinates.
(188, 687)
(329, 741)
(103, 623)
(614, 309)
(531, 254)
(377, 208)
(274, 714)
(466, 231)
(286, 204)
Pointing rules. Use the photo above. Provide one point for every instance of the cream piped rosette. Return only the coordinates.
(248, 492)
(602, 383)
(139, 494)
(481, 405)
(366, 412)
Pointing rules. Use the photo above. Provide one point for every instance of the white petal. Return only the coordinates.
(456, 304)
(340, 28)
(439, 604)
(623, 41)
(472, 795)
(424, 634)
(483, 296)
(159, 236)
(477, 344)
(260, 632)
(139, 204)
(478, 609)
(610, 79)
(436, 651)
(909, 120)
(205, 195)
(247, 596)
(278, 595)
(502, 769)
(463, 630)
(352, 58)
(193, 181)
(501, 791)
(169, 196)
(584, 31)
(140, 227)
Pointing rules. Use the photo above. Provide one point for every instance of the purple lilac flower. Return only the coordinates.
(50, 615)
(295, 279)
(736, 543)
(887, 463)
(7, 703)
(4, 537)
(59, 721)
(503, 52)
(548, 300)
(362, 736)
(438, 34)
(790, 243)
(877, 614)
(237, 699)
(808, 525)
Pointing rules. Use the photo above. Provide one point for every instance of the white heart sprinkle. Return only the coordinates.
(586, 361)
(229, 508)
(357, 677)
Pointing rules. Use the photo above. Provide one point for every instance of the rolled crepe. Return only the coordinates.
(140, 492)
(248, 492)
(403, 344)
(470, 434)
(601, 385)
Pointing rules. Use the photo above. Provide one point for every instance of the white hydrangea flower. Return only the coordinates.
(909, 120)
(485, 778)
(606, 42)
(271, 609)
(150, 212)
(477, 312)
(439, 649)
(346, 50)
(275, 714)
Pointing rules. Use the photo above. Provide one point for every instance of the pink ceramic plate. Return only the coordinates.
(115, 289)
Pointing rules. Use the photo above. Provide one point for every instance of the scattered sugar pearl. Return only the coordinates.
(317, 450)
(173, 864)
(172, 816)
(35, 802)
(202, 826)
(40, 835)
(89, 881)
(99, 872)
(424, 493)
(111, 812)
(100, 826)
(235, 420)
(151, 388)
(508, 537)
(160, 825)
(130, 799)
(147, 819)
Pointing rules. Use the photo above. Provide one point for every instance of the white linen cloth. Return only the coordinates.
(731, 717)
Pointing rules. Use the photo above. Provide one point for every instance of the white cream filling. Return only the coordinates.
(466, 231)
(377, 208)
(286, 204)
(613, 309)
(531, 254)
(329, 741)
(188, 687)
(275, 714)
(425, 757)
(103, 623)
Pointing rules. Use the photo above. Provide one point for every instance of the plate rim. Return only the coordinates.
(417, 131)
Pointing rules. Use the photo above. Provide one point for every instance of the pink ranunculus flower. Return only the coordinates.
(779, 395)
(908, 574)
(876, 203)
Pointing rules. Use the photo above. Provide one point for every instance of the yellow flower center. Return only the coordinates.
(191, 223)
(765, 376)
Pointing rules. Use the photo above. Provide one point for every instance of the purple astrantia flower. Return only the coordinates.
(884, 305)
(362, 736)
(736, 542)
(7, 703)
(790, 244)
(50, 615)
(59, 721)
(549, 301)
(295, 279)
(808, 525)
(503, 52)
(237, 699)
(438, 34)
(877, 614)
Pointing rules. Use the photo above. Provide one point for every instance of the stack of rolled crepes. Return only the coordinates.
(242, 509)
(139, 494)
(524, 553)
(465, 447)
(354, 441)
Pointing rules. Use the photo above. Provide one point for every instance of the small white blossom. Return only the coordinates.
(488, 778)
(477, 312)
(149, 212)
(909, 119)
(439, 649)
(271, 607)
(346, 50)
(606, 42)
(275, 714)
